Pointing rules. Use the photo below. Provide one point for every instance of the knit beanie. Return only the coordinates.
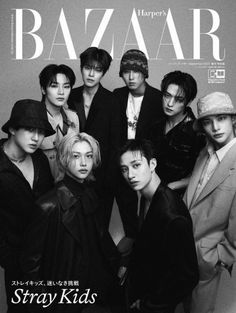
(134, 60)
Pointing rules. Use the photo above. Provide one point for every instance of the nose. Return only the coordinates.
(131, 75)
(60, 90)
(35, 135)
(130, 174)
(83, 161)
(171, 101)
(91, 72)
(215, 125)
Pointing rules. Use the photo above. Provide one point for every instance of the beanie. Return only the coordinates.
(134, 60)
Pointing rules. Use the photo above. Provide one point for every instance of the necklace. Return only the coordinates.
(20, 160)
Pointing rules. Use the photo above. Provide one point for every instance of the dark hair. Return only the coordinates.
(143, 146)
(187, 84)
(93, 54)
(49, 73)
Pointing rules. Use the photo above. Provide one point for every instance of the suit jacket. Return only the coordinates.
(103, 124)
(163, 267)
(214, 213)
(151, 110)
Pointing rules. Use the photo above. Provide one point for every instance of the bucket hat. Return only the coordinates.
(214, 103)
(31, 114)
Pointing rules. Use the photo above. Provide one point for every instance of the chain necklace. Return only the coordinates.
(20, 160)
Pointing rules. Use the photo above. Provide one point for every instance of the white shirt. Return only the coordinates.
(132, 113)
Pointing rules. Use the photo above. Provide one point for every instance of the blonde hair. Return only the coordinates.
(64, 152)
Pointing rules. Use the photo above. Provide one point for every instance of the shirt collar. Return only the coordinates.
(222, 151)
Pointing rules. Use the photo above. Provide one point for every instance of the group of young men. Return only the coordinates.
(173, 250)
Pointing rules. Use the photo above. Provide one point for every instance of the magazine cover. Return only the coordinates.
(192, 36)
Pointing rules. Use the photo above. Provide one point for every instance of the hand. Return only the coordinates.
(136, 305)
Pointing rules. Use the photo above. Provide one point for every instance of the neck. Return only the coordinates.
(91, 90)
(13, 151)
(53, 109)
(149, 190)
(173, 120)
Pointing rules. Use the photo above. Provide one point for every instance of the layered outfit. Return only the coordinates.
(69, 122)
(177, 150)
(77, 247)
(149, 111)
(163, 268)
(19, 219)
(211, 199)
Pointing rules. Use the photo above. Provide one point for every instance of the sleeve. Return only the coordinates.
(226, 248)
(182, 274)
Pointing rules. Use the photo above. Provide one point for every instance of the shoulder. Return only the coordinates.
(48, 202)
(76, 91)
(171, 204)
(153, 91)
(120, 91)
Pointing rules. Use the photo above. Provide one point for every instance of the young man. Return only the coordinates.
(140, 106)
(163, 265)
(24, 176)
(97, 111)
(176, 144)
(211, 198)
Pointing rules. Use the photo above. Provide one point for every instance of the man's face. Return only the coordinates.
(219, 129)
(81, 164)
(92, 74)
(57, 93)
(173, 101)
(136, 170)
(28, 140)
(135, 81)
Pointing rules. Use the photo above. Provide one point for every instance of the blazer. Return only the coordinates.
(214, 213)
(102, 123)
(151, 110)
(163, 267)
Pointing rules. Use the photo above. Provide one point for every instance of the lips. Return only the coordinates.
(83, 171)
(60, 99)
(218, 136)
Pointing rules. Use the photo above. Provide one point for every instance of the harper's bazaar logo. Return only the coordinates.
(166, 23)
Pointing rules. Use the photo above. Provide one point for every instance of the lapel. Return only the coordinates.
(221, 173)
(79, 106)
(144, 112)
(67, 200)
(95, 107)
(196, 176)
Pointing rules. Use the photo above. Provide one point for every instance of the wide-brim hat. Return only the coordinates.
(31, 114)
(215, 103)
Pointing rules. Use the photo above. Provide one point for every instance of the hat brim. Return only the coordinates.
(30, 123)
(197, 124)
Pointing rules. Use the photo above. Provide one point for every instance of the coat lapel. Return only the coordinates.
(67, 200)
(221, 173)
(196, 176)
(144, 112)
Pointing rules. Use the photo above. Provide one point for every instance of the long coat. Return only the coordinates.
(214, 219)
(77, 247)
(19, 217)
(163, 267)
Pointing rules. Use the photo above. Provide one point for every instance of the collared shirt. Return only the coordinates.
(214, 158)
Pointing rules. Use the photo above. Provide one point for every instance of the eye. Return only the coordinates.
(98, 69)
(67, 86)
(136, 165)
(89, 156)
(124, 170)
(205, 122)
(76, 156)
(221, 117)
(53, 85)
(179, 99)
